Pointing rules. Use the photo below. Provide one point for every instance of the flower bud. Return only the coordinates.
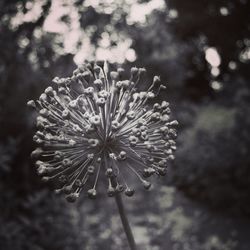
(114, 75)
(36, 153)
(67, 189)
(91, 170)
(72, 197)
(95, 120)
(111, 191)
(92, 193)
(129, 192)
(31, 104)
(120, 72)
(134, 71)
(109, 172)
(146, 184)
(98, 82)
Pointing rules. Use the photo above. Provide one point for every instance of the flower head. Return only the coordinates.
(96, 121)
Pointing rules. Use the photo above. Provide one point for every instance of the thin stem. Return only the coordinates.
(125, 222)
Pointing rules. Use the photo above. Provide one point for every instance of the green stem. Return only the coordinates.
(125, 222)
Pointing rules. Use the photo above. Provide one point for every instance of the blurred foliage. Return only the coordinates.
(213, 159)
(37, 222)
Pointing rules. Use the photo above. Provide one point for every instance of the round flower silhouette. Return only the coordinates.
(96, 121)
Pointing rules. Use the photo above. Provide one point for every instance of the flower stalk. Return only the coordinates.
(125, 222)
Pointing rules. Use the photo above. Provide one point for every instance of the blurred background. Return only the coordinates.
(201, 50)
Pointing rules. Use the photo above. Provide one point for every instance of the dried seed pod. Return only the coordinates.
(96, 121)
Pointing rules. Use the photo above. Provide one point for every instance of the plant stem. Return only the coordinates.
(125, 222)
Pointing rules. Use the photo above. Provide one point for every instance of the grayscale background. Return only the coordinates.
(201, 50)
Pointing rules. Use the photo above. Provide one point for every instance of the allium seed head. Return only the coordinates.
(97, 121)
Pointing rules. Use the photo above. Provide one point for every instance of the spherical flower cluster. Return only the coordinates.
(98, 122)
